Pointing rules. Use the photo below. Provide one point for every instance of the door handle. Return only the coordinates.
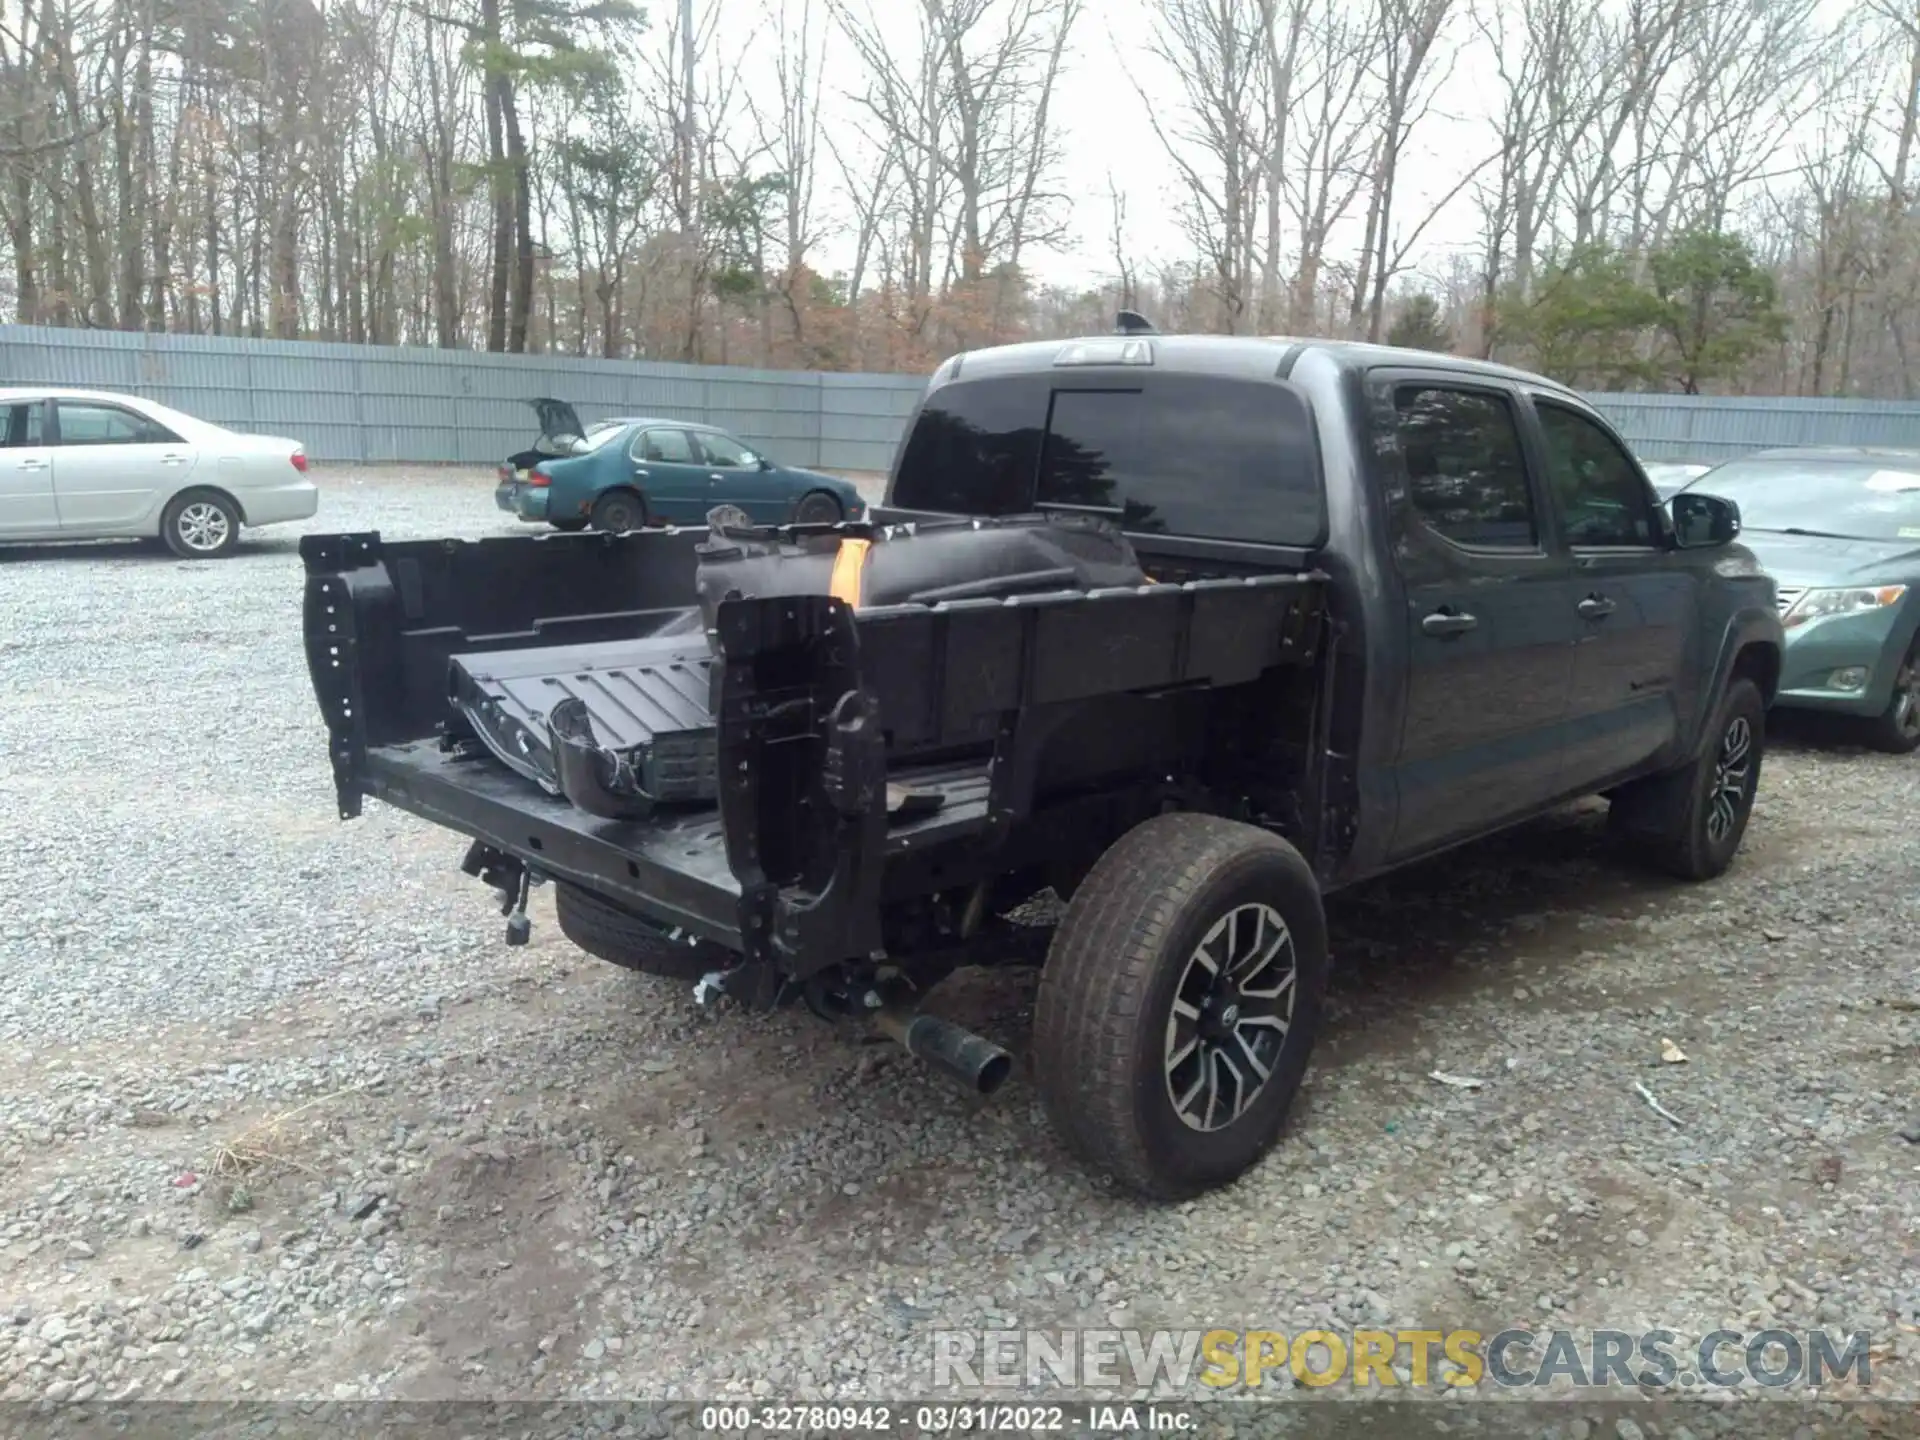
(715, 477)
(1596, 607)
(33, 464)
(173, 459)
(1447, 622)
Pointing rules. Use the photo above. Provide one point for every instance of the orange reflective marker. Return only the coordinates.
(849, 562)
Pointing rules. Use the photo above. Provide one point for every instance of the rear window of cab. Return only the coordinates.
(1163, 454)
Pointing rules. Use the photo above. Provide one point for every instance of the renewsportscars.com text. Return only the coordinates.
(1235, 1360)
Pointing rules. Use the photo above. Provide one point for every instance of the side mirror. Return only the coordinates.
(763, 462)
(1702, 522)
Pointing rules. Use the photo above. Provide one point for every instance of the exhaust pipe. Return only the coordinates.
(972, 1060)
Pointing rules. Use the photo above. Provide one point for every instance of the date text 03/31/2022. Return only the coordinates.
(942, 1419)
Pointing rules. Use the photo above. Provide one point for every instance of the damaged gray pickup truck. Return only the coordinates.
(1188, 631)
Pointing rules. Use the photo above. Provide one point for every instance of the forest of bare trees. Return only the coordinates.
(1684, 194)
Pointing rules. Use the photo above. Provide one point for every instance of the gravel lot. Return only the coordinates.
(284, 1118)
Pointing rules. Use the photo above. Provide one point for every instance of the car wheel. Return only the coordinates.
(568, 527)
(1897, 729)
(608, 932)
(1691, 821)
(619, 511)
(1179, 1003)
(200, 525)
(817, 507)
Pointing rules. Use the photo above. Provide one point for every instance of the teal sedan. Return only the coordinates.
(1839, 530)
(626, 474)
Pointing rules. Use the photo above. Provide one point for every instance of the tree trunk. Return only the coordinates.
(521, 218)
(26, 285)
(93, 232)
(499, 186)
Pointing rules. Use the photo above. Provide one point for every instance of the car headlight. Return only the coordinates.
(1820, 604)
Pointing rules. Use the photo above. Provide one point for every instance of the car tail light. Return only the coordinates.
(506, 472)
(539, 479)
(300, 461)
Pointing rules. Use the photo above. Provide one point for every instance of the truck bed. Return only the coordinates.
(988, 712)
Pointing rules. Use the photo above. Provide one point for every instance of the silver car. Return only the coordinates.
(94, 464)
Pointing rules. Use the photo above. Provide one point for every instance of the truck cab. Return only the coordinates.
(1520, 621)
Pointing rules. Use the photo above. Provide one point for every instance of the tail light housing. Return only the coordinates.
(538, 478)
(300, 461)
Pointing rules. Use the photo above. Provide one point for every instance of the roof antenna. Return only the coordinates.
(1132, 322)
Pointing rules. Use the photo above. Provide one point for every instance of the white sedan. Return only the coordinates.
(94, 464)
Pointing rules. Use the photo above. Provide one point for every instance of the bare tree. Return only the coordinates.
(1542, 52)
(1331, 126)
(1218, 52)
(968, 112)
(792, 136)
(1744, 76)
(1410, 31)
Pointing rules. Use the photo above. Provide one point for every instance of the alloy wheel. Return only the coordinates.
(1230, 1016)
(203, 527)
(1732, 770)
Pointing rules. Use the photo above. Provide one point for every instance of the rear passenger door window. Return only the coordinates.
(23, 426)
(665, 447)
(1602, 499)
(88, 424)
(1466, 469)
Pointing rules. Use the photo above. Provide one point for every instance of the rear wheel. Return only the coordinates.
(1897, 729)
(1180, 1002)
(1690, 821)
(200, 524)
(618, 936)
(619, 511)
(817, 507)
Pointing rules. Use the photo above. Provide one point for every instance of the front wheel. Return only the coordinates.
(1690, 822)
(1897, 729)
(200, 524)
(1180, 1002)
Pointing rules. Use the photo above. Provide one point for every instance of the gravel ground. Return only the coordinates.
(284, 1118)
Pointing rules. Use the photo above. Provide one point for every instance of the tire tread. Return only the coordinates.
(607, 932)
(1103, 961)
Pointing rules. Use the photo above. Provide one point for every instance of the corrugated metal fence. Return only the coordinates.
(1711, 428)
(374, 403)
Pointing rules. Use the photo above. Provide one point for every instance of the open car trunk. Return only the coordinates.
(761, 739)
(560, 434)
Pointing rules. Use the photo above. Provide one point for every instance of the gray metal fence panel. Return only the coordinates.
(376, 403)
(1711, 428)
